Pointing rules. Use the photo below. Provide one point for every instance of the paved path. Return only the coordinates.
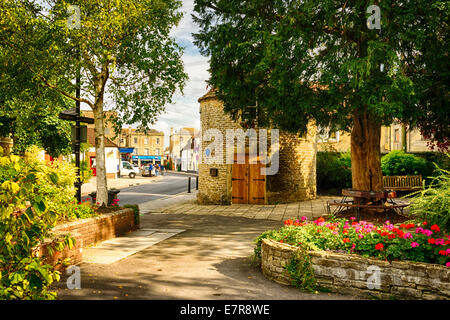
(279, 212)
(209, 260)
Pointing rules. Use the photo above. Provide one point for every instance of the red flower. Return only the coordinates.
(281, 241)
(410, 225)
(379, 246)
(447, 241)
(435, 228)
(442, 252)
(403, 225)
(288, 222)
(392, 236)
(425, 223)
(345, 232)
(432, 241)
(345, 240)
(321, 219)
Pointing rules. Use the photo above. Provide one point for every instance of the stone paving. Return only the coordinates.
(278, 212)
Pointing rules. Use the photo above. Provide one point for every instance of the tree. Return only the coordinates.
(122, 51)
(327, 61)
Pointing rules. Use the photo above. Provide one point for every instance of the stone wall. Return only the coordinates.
(349, 274)
(295, 180)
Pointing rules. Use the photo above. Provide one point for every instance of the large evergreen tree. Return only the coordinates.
(327, 61)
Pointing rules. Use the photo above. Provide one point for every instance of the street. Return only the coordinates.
(171, 184)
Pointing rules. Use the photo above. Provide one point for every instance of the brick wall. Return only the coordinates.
(295, 180)
(348, 274)
(89, 231)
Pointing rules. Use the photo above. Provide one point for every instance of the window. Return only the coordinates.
(146, 152)
(135, 140)
(157, 140)
(397, 135)
(181, 140)
(136, 151)
(157, 151)
(146, 141)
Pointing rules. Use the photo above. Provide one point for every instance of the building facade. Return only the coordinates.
(392, 138)
(179, 139)
(222, 183)
(142, 147)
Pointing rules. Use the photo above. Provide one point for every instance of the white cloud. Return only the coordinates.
(184, 112)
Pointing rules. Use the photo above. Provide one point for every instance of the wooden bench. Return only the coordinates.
(403, 183)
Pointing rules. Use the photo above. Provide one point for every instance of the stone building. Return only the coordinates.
(146, 147)
(225, 183)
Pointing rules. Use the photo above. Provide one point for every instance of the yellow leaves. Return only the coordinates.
(11, 186)
(14, 158)
(4, 161)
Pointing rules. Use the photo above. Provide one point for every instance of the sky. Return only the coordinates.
(184, 112)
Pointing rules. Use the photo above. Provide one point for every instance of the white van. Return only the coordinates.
(127, 169)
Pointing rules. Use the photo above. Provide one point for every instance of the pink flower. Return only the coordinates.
(304, 218)
(360, 236)
(440, 242)
(414, 244)
(427, 232)
(407, 235)
(352, 218)
(447, 264)
(448, 251)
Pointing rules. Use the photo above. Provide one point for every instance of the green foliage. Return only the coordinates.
(85, 170)
(125, 43)
(135, 208)
(303, 60)
(400, 163)
(333, 171)
(83, 210)
(301, 271)
(433, 203)
(28, 211)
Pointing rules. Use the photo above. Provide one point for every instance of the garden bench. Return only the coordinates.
(403, 183)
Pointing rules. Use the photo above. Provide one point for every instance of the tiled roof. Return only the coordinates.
(91, 139)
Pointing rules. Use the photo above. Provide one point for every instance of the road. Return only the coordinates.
(171, 184)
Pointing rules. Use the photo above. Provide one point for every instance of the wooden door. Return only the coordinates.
(247, 183)
(257, 184)
(239, 182)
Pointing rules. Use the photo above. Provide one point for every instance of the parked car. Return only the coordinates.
(147, 171)
(127, 169)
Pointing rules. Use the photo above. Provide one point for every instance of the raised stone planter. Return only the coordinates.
(353, 274)
(89, 231)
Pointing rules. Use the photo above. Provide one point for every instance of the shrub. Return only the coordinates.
(29, 198)
(399, 163)
(433, 203)
(135, 208)
(333, 171)
(413, 242)
(82, 210)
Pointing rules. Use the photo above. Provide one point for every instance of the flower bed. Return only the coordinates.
(334, 253)
(412, 242)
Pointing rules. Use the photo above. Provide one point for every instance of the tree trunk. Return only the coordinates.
(100, 159)
(366, 155)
